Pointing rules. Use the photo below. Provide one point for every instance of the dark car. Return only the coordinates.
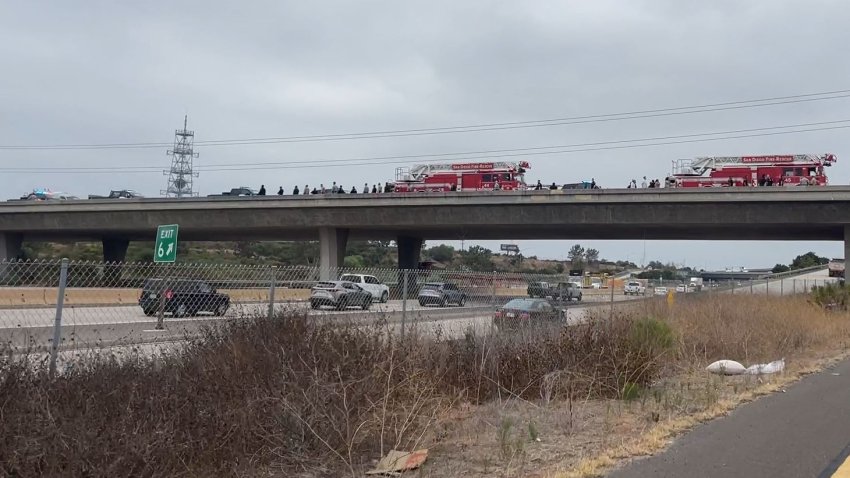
(442, 294)
(118, 194)
(339, 295)
(182, 297)
(236, 192)
(539, 289)
(566, 291)
(524, 312)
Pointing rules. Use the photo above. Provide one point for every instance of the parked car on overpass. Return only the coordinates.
(118, 194)
(41, 194)
(241, 191)
(660, 291)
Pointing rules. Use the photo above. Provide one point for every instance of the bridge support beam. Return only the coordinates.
(115, 249)
(409, 251)
(332, 242)
(10, 246)
(409, 255)
(846, 248)
(10, 250)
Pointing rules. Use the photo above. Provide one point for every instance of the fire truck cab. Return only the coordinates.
(492, 176)
(773, 170)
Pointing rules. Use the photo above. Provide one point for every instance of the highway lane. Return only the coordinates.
(97, 327)
(17, 317)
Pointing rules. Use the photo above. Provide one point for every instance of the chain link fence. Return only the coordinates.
(83, 305)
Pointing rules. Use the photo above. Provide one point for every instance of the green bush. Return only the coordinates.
(652, 336)
(832, 296)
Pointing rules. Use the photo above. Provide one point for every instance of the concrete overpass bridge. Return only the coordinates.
(793, 214)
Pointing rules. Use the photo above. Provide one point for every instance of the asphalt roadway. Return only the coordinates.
(89, 327)
(802, 432)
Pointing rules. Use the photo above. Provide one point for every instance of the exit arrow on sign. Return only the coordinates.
(165, 248)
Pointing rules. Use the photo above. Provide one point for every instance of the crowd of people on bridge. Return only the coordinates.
(334, 189)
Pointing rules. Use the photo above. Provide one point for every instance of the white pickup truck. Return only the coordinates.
(634, 288)
(380, 292)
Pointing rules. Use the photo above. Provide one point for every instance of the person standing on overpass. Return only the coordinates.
(262, 190)
(280, 191)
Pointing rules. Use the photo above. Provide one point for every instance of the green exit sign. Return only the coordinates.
(165, 249)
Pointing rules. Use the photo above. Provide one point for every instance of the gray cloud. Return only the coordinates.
(114, 72)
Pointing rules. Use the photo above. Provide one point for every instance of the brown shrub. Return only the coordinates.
(290, 394)
(749, 328)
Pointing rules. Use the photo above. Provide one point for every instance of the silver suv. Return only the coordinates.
(442, 294)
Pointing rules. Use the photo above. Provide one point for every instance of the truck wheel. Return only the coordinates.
(181, 310)
(462, 301)
(385, 297)
(221, 309)
(443, 302)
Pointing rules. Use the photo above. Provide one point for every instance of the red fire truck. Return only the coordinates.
(500, 175)
(775, 170)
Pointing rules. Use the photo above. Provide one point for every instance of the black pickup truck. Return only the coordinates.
(539, 289)
(236, 192)
(118, 194)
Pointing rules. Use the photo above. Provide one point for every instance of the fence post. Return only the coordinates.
(494, 291)
(403, 300)
(805, 286)
(160, 317)
(57, 324)
(272, 284)
(767, 286)
(611, 312)
(781, 287)
(751, 287)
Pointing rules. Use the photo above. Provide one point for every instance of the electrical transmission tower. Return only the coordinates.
(180, 175)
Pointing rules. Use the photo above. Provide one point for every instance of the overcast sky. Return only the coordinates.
(127, 72)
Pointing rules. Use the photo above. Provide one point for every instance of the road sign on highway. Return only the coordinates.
(165, 249)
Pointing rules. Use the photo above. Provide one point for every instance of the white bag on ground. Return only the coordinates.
(765, 368)
(726, 367)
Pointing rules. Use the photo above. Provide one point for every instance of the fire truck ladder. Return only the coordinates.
(421, 171)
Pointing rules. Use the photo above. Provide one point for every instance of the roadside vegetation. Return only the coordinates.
(293, 396)
(359, 254)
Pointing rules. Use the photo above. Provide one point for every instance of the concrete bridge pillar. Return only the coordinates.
(10, 246)
(10, 249)
(846, 247)
(409, 251)
(409, 255)
(332, 242)
(115, 249)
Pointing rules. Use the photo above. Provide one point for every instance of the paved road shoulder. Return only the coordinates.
(802, 432)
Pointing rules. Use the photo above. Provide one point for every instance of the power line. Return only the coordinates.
(639, 114)
(485, 154)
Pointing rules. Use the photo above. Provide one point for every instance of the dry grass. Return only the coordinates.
(294, 397)
(587, 437)
(288, 395)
